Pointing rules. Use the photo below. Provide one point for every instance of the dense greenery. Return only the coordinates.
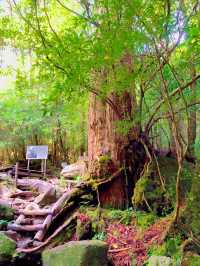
(74, 54)
(64, 47)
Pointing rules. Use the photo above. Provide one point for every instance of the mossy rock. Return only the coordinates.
(160, 261)
(191, 259)
(77, 253)
(168, 168)
(7, 248)
(149, 187)
(6, 213)
(191, 215)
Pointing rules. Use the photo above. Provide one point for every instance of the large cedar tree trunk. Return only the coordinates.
(104, 136)
(105, 140)
(104, 118)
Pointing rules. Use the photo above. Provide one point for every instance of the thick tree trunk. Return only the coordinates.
(105, 118)
(104, 135)
(104, 140)
(107, 121)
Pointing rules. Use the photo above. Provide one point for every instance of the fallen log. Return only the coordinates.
(20, 219)
(27, 228)
(30, 171)
(65, 202)
(5, 169)
(46, 190)
(39, 212)
(48, 240)
(22, 194)
(40, 234)
(28, 174)
(72, 195)
(59, 206)
(75, 169)
(26, 221)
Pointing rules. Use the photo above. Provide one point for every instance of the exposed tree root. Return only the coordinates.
(49, 239)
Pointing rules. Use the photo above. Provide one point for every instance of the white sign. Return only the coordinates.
(37, 152)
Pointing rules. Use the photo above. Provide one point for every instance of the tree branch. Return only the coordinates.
(52, 29)
(173, 93)
(96, 24)
(167, 116)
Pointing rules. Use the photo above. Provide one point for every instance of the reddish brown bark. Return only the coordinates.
(105, 115)
(113, 194)
(104, 137)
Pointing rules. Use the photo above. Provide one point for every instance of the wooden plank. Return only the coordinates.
(40, 234)
(5, 169)
(16, 173)
(28, 228)
(42, 212)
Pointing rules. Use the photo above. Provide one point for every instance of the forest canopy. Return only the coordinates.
(63, 49)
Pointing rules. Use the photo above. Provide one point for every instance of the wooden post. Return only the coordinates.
(16, 173)
(28, 166)
(45, 167)
(42, 166)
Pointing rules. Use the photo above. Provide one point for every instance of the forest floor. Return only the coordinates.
(129, 237)
(132, 235)
(130, 243)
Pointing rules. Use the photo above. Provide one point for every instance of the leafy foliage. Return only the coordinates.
(171, 248)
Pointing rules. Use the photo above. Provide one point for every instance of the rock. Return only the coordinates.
(190, 259)
(47, 197)
(11, 234)
(77, 253)
(64, 164)
(7, 248)
(75, 169)
(46, 190)
(160, 261)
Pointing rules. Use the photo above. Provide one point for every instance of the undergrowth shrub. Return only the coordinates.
(144, 220)
(170, 248)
